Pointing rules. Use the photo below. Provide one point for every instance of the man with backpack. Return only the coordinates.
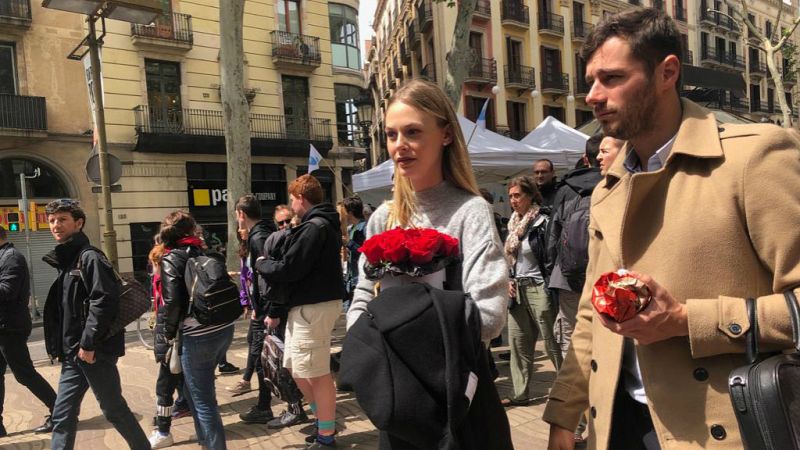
(78, 313)
(310, 267)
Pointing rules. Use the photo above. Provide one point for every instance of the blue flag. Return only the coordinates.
(314, 158)
(481, 122)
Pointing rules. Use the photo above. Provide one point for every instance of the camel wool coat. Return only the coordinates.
(718, 223)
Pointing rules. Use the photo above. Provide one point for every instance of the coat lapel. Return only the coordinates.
(629, 209)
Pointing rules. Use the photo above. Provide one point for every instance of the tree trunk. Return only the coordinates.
(235, 116)
(777, 79)
(460, 56)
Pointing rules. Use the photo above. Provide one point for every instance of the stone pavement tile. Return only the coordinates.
(137, 369)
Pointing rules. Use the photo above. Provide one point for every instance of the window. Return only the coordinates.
(755, 97)
(555, 112)
(770, 100)
(516, 119)
(8, 70)
(577, 13)
(514, 50)
(289, 16)
(347, 127)
(768, 29)
(47, 185)
(344, 36)
(583, 117)
(474, 106)
(164, 94)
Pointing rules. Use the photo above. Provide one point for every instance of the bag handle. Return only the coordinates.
(794, 310)
(751, 338)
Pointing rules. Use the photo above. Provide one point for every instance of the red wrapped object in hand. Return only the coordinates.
(620, 295)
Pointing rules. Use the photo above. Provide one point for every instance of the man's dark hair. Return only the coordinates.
(550, 163)
(250, 206)
(487, 195)
(3, 234)
(354, 206)
(651, 34)
(593, 149)
(68, 205)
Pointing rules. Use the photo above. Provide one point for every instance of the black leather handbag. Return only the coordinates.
(766, 392)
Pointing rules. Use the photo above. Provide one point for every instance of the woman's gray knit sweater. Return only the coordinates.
(470, 219)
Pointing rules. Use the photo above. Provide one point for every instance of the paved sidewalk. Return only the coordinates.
(23, 412)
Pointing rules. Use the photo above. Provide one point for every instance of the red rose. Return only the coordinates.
(372, 248)
(449, 246)
(394, 248)
(424, 246)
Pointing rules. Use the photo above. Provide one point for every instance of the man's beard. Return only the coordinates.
(636, 118)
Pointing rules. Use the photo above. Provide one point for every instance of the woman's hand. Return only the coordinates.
(512, 289)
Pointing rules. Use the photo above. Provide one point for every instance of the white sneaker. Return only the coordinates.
(158, 440)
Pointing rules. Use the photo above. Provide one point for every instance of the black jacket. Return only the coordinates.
(311, 264)
(173, 288)
(255, 244)
(275, 294)
(576, 182)
(82, 302)
(548, 192)
(536, 234)
(409, 359)
(15, 287)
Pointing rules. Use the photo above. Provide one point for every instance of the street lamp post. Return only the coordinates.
(135, 11)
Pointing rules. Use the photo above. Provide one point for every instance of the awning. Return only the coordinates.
(714, 79)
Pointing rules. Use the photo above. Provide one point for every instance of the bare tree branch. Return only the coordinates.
(780, 43)
(743, 15)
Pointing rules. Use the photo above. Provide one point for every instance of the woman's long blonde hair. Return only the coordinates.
(456, 167)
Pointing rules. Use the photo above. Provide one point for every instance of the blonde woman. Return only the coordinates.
(434, 187)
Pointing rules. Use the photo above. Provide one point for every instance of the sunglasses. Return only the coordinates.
(284, 222)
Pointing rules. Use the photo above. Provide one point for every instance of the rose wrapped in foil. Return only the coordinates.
(620, 295)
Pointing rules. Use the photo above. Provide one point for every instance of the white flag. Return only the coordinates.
(314, 158)
(481, 121)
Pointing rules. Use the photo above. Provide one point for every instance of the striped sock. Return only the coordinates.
(326, 425)
(313, 407)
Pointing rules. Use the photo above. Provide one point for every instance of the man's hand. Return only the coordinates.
(561, 439)
(253, 314)
(272, 323)
(86, 356)
(663, 318)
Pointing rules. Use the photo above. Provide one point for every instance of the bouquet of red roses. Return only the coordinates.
(415, 251)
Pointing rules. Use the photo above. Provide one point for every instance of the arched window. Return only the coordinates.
(47, 185)
(344, 36)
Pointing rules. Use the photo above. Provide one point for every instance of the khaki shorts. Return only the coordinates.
(308, 338)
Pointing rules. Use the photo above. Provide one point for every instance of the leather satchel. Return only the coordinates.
(766, 392)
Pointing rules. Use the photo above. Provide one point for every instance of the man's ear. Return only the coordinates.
(82, 223)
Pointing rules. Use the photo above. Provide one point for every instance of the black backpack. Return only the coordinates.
(213, 296)
(573, 245)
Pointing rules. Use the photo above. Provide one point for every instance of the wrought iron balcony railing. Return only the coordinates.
(581, 29)
(555, 81)
(352, 135)
(757, 67)
(520, 77)
(202, 122)
(295, 48)
(15, 11)
(20, 112)
(723, 58)
(425, 15)
(484, 69)
(175, 27)
(483, 8)
(688, 57)
(515, 11)
(551, 23)
(581, 86)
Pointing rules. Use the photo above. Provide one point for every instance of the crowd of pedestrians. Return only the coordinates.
(663, 191)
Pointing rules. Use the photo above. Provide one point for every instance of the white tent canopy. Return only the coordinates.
(494, 157)
(552, 134)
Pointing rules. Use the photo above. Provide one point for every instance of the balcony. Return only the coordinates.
(20, 113)
(789, 77)
(484, 70)
(397, 68)
(520, 77)
(514, 13)
(581, 86)
(580, 30)
(688, 57)
(413, 36)
(552, 24)
(405, 53)
(425, 15)
(170, 30)
(203, 131)
(555, 83)
(707, 17)
(722, 58)
(739, 104)
(15, 14)
(757, 68)
(295, 51)
(428, 72)
(483, 10)
(353, 136)
(762, 107)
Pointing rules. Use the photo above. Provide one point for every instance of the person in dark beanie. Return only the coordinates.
(79, 309)
(310, 266)
(15, 328)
